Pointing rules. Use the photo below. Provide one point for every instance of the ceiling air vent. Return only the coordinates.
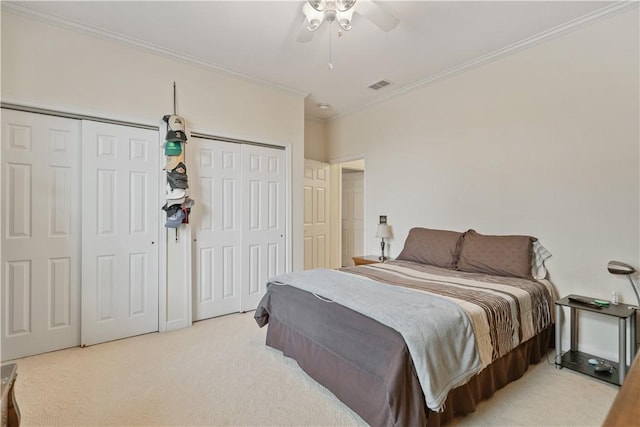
(379, 85)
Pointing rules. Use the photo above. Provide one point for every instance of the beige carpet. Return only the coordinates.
(219, 372)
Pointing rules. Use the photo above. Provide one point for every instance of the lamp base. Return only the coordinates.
(382, 257)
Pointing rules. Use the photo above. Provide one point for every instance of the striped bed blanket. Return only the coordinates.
(504, 311)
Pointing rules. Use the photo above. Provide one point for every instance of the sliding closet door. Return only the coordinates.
(215, 183)
(40, 233)
(120, 210)
(263, 215)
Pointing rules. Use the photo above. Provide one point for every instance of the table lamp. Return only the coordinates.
(383, 231)
(617, 267)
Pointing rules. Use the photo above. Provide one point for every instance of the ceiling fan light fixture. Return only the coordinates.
(330, 15)
(318, 5)
(341, 11)
(313, 24)
(345, 5)
(344, 19)
(317, 11)
(314, 17)
(345, 24)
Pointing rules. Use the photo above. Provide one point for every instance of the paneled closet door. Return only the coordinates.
(40, 233)
(214, 170)
(263, 214)
(120, 230)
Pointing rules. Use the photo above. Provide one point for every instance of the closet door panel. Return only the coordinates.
(263, 236)
(215, 184)
(120, 231)
(40, 233)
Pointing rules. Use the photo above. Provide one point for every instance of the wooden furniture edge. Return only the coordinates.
(625, 410)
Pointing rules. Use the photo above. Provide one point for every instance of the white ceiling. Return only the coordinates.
(257, 39)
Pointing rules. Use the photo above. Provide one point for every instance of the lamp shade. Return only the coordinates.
(383, 231)
(617, 267)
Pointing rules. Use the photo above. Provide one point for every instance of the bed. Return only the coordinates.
(421, 339)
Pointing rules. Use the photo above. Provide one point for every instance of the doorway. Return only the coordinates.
(352, 215)
(352, 212)
(316, 214)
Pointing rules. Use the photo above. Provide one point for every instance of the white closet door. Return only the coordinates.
(40, 233)
(120, 229)
(214, 170)
(316, 214)
(263, 213)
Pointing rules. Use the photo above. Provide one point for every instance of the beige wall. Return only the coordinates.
(543, 142)
(49, 65)
(52, 67)
(315, 140)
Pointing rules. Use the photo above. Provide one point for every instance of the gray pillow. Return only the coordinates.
(496, 255)
(432, 247)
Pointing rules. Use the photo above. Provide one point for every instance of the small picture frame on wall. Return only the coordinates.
(383, 219)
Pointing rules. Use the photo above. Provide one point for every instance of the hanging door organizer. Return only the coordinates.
(178, 203)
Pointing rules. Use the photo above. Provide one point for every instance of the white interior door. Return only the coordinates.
(120, 209)
(316, 214)
(40, 233)
(215, 184)
(352, 215)
(263, 213)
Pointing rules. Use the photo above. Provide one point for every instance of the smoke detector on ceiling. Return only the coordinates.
(323, 106)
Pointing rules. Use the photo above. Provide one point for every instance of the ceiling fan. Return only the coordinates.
(341, 11)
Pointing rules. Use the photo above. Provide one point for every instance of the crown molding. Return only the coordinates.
(139, 44)
(609, 11)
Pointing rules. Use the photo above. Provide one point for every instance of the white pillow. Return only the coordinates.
(540, 254)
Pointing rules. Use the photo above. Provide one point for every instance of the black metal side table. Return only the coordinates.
(577, 360)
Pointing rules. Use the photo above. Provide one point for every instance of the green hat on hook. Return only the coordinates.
(172, 148)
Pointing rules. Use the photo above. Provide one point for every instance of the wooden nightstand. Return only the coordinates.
(367, 259)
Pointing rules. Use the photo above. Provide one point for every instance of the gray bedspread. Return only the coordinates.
(441, 344)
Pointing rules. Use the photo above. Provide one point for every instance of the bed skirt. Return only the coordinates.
(464, 400)
(388, 395)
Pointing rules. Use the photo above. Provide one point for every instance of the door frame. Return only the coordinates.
(335, 226)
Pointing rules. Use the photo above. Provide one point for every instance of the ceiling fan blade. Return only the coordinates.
(376, 15)
(304, 35)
